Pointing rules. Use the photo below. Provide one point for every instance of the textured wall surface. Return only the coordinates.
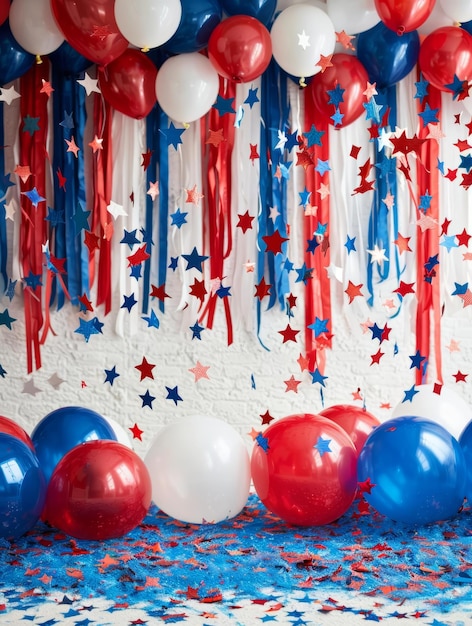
(238, 383)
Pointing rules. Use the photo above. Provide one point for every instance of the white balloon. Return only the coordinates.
(33, 26)
(148, 23)
(120, 433)
(200, 470)
(283, 4)
(458, 10)
(352, 16)
(437, 19)
(448, 409)
(300, 34)
(187, 86)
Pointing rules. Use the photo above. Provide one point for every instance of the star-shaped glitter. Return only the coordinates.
(322, 445)
(152, 320)
(194, 260)
(173, 394)
(173, 135)
(200, 371)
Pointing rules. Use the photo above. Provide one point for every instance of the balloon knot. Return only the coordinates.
(400, 31)
(302, 82)
(185, 125)
(38, 59)
(145, 49)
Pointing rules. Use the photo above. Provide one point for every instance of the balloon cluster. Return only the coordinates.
(307, 469)
(72, 473)
(415, 468)
(175, 52)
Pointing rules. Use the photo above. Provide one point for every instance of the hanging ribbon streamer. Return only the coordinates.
(69, 119)
(316, 226)
(384, 212)
(273, 183)
(33, 227)
(3, 223)
(428, 315)
(157, 170)
(217, 206)
(101, 220)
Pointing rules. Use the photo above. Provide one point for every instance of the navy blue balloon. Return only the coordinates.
(22, 487)
(465, 441)
(14, 60)
(63, 429)
(68, 61)
(386, 56)
(263, 10)
(199, 19)
(467, 26)
(417, 469)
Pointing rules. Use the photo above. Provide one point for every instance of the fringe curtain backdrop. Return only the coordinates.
(255, 205)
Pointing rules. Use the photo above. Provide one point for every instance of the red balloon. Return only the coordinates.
(4, 10)
(404, 15)
(446, 54)
(347, 74)
(128, 83)
(356, 421)
(90, 28)
(9, 427)
(304, 469)
(100, 489)
(240, 48)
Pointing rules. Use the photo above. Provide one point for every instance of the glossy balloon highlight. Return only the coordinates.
(356, 421)
(200, 470)
(240, 48)
(346, 78)
(99, 490)
(22, 487)
(128, 84)
(446, 55)
(199, 19)
(304, 469)
(416, 469)
(387, 56)
(63, 429)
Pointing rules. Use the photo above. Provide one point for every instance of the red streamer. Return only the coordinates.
(33, 227)
(428, 315)
(318, 290)
(101, 220)
(217, 203)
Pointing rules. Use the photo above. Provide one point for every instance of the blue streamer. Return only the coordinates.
(69, 119)
(275, 113)
(386, 182)
(159, 162)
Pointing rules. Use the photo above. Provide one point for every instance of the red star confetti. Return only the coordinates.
(138, 257)
(145, 368)
(159, 292)
(253, 155)
(324, 62)
(266, 418)
(47, 88)
(153, 190)
(353, 291)
(245, 221)
(146, 162)
(262, 289)
(96, 144)
(200, 371)
(274, 242)
(215, 137)
(136, 432)
(72, 146)
(193, 196)
(291, 384)
(289, 334)
(460, 377)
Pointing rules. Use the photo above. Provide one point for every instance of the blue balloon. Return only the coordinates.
(199, 19)
(465, 441)
(68, 61)
(386, 56)
(63, 429)
(14, 60)
(417, 471)
(22, 487)
(263, 10)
